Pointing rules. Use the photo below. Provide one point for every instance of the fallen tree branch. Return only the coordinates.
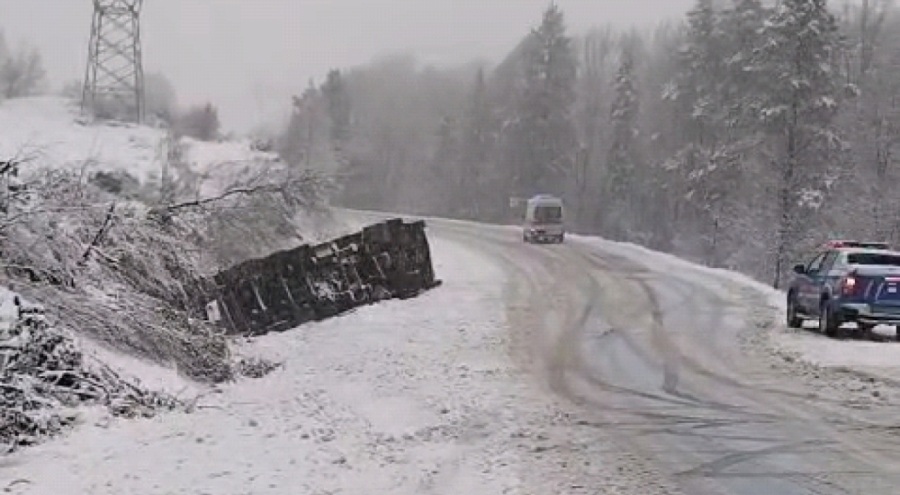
(236, 191)
(6, 166)
(98, 237)
(109, 259)
(231, 192)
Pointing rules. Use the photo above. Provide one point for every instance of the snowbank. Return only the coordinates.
(878, 359)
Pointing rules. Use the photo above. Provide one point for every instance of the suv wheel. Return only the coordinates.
(865, 331)
(793, 321)
(828, 324)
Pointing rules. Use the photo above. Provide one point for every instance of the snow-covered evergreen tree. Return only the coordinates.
(623, 122)
(741, 27)
(544, 129)
(447, 168)
(306, 142)
(622, 179)
(697, 87)
(795, 102)
(478, 141)
(337, 100)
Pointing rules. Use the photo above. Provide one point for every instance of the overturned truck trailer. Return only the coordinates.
(386, 260)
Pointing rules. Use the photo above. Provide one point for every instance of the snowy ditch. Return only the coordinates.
(44, 371)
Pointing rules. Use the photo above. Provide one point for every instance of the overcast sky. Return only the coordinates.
(249, 56)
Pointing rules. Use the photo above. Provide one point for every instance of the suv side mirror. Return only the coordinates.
(799, 269)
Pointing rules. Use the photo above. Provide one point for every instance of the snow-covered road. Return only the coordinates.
(588, 367)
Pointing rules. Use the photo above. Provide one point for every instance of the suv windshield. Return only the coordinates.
(548, 214)
(873, 259)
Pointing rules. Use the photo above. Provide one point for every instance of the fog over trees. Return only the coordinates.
(737, 136)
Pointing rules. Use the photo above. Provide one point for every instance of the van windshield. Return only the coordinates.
(548, 214)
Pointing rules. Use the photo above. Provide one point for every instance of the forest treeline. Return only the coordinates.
(738, 136)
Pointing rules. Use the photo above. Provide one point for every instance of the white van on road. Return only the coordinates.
(544, 219)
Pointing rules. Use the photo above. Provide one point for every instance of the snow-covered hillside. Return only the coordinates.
(113, 279)
(49, 132)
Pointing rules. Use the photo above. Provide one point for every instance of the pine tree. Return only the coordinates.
(623, 121)
(622, 164)
(337, 100)
(305, 142)
(797, 98)
(741, 27)
(448, 175)
(477, 144)
(873, 123)
(699, 95)
(544, 107)
(597, 62)
(883, 121)
(199, 122)
(697, 88)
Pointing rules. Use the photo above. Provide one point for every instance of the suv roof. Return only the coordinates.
(871, 245)
(889, 252)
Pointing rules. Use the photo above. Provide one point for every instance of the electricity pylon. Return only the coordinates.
(115, 73)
